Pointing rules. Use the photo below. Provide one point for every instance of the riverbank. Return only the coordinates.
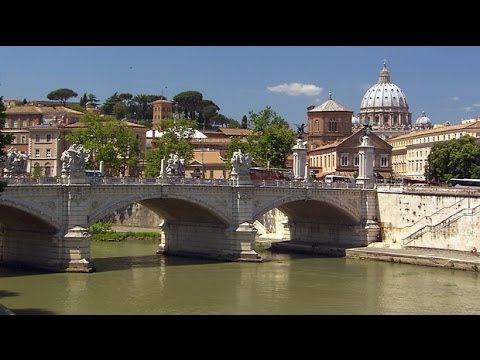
(449, 259)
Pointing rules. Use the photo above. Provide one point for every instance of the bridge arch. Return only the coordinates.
(175, 207)
(25, 216)
(329, 202)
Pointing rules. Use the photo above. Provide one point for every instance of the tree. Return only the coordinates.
(83, 100)
(62, 95)
(176, 138)
(37, 171)
(272, 139)
(218, 120)
(109, 103)
(108, 140)
(233, 124)
(92, 99)
(244, 122)
(142, 106)
(5, 139)
(120, 110)
(189, 102)
(456, 158)
(77, 107)
(24, 102)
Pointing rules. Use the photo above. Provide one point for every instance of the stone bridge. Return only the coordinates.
(45, 225)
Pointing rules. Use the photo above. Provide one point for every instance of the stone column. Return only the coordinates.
(299, 160)
(75, 242)
(365, 168)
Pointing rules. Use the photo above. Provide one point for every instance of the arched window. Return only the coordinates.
(332, 125)
(48, 169)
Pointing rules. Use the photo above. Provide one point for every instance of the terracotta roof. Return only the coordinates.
(44, 110)
(330, 105)
(162, 101)
(211, 141)
(131, 124)
(235, 132)
(328, 146)
(81, 124)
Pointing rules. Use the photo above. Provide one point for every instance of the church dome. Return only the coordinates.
(423, 122)
(385, 105)
(384, 94)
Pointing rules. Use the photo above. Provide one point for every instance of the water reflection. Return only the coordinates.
(130, 279)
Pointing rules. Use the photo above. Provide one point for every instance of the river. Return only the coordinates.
(131, 279)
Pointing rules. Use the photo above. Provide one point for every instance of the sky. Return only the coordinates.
(443, 81)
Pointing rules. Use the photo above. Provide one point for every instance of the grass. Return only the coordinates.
(122, 236)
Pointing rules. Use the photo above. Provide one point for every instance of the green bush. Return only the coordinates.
(121, 236)
(101, 228)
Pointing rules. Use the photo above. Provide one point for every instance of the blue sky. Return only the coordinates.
(444, 81)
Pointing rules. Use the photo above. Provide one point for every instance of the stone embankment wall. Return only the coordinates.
(269, 225)
(135, 215)
(430, 217)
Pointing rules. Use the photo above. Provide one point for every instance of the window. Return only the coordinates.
(48, 169)
(24, 139)
(37, 138)
(14, 139)
(384, 160)
(344, 159)
(49, 153)
(355, 160)
(37, 153)
(14, 124)
(332, 125)
(317, 126)
(6, 124)
(49, 137)
(24, 123)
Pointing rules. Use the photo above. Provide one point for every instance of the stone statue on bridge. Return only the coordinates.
(175, 165)
(15, 162)
(241, 163)
(74, 158)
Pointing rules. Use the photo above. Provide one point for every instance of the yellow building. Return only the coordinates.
(21, 118)
(410, 151)
(341, 157)
(331, 146)
(206, 164)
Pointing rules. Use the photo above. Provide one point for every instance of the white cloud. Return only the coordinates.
(454, 98)
(296, 89)
(468, 109)
(476, 105)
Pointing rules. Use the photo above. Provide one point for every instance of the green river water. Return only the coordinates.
(131, 279)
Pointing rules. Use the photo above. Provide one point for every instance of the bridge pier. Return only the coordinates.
(74, 255)
(52, 252)
(209, 241)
